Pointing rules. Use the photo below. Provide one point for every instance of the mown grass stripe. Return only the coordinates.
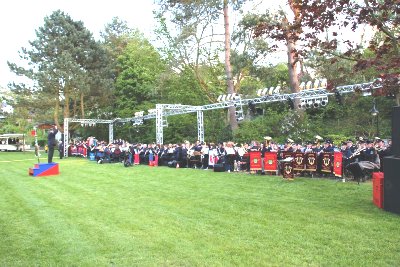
(106, 214)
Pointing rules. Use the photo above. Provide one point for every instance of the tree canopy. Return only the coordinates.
(200, 53)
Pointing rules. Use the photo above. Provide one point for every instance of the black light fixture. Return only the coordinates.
(338, 97)
(252, 107)
(290, 102)
(374, 112)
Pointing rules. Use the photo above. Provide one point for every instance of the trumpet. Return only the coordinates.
(357, 152)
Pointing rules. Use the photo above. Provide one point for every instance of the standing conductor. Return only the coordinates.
(51, 143)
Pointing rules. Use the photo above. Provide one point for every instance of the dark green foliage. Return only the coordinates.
(137, 83)
(67, 67)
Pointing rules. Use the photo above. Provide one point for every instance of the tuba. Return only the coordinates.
(318, 140)
(267, 140)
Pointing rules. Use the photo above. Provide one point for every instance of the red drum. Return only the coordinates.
(327, 162)
(270, 162)
(311, 162)
(337, 164)
(136, 159)
(255, 161)
(298, 161)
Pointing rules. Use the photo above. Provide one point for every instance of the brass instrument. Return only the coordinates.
(267, 140)
(357, 152)
(379, 149)
(290, 141)
(318, 140)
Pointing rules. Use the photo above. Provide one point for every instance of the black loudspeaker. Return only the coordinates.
(391, 189)
(219, 168)
(396, 131)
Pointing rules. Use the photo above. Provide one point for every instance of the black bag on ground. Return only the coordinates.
(172, 164)
(101, 161)
(219, 168)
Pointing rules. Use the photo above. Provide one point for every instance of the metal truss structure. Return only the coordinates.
(86, 122)
(162, 111)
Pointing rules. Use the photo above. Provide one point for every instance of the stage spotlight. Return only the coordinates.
(239, 118)
(324, 102)
(290, 102)
(338, 97)
(308, 85)
(235, 96)
(271, 91)
(302, 86)
(252, 107)
(302, 104)
(316, 84)
(324, 83)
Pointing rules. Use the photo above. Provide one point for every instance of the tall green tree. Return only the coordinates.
(332, 17)
(65, 64)
(285, 28)
(198, 42)
(115, 38)
(140, 70)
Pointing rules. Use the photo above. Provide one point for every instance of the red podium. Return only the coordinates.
(44, 169)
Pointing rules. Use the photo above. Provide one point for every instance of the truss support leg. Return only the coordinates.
(200, 126)
(110, 133)
(66, 137)
(159, 124)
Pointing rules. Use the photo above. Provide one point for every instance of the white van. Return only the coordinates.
(13, 142)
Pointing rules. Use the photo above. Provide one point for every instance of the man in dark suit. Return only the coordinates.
(51, 143)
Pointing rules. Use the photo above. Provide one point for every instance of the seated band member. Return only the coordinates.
(328, 147)
(368, 160)
(308, 148)
(289, 145)
(382, 149)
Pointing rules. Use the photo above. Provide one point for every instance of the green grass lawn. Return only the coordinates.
(105, 215)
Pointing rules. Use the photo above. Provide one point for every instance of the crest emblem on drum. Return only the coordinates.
(288, 169)
(255, 160)
(270, 162)
(299, 160)
(311, 160)
(326, 161)
(337, 164)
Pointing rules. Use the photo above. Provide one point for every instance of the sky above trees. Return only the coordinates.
(20, 19)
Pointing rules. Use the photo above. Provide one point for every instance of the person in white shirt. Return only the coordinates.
(230, 154)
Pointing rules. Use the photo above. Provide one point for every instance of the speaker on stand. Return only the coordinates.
(391, 189)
